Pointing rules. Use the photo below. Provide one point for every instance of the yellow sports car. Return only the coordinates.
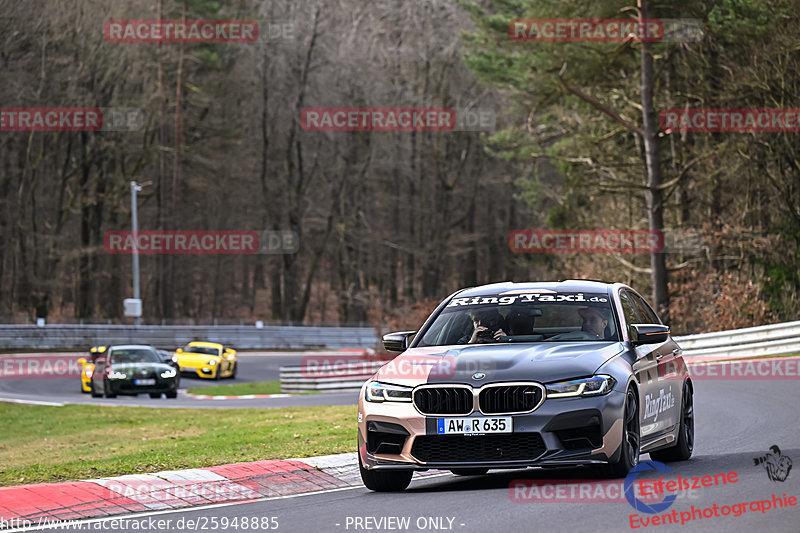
(207, 360)
(87, 367)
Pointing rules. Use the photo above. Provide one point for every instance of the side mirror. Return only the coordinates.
(82, 361)
(398, 342)
(648, 333)
(179, 350)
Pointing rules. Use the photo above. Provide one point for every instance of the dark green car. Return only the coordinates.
(131, 370)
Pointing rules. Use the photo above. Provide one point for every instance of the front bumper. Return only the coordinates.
(127, 386)
(200, 369)
(560, 432)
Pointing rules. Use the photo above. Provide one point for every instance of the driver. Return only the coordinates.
(488, 326)
(594, 321)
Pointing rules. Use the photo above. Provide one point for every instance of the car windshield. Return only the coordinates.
(517, 316)
(205, 350)
(133, 355)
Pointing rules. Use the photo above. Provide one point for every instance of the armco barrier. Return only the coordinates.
(775, 339)
(349, 376)
(81, 337)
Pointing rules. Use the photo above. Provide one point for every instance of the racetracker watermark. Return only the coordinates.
(71, 119)
(585, 30)
(181, 31)
(180, 242)
(407, 367)
(581, 491)
(158, 490)
(404, 119)
(768, 120)
(605, 30)
(767, 369)
(597, 241)
(39, 367)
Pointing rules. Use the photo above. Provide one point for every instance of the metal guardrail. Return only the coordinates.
(77, 337)
(774, 339)
(335, 378)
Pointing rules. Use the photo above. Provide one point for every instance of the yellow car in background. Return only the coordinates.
(207, 360)
(87, 367)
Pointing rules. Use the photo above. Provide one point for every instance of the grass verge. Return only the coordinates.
(47, 444)
(241, 389)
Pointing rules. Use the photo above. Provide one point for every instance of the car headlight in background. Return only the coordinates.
(212, 362)
(87, 371)
(116, 375)
(174, 358)
(384, 392)
(168, 373)
(593, 386)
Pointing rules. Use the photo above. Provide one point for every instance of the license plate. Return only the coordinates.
(144, 382)
(474, 425)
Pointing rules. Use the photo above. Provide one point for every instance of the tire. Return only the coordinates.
(385, 480)
(682, 449)
(218, 375)
(155, 395)
(469, 471)
(107, 390)
(172, 394)
(92, 391)
(631, 439)
(233, 371)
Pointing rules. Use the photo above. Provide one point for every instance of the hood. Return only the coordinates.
(543, 362)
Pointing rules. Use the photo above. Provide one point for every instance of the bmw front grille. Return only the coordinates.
(492, 399)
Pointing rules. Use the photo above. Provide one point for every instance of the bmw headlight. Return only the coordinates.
(168, 373)
(116, 375)
(384, 392)
(593, 386)
(212, 362)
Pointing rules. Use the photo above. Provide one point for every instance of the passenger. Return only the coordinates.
(594, 321)
(519, 323)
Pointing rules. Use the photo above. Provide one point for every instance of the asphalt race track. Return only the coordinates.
(252, 368)
(736, 421)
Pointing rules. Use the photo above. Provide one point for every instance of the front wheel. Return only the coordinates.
(384, 480)
(629, 447)
(682, 449)
(233, 371)
(92, 391)
(172, 394)
(107, 390)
